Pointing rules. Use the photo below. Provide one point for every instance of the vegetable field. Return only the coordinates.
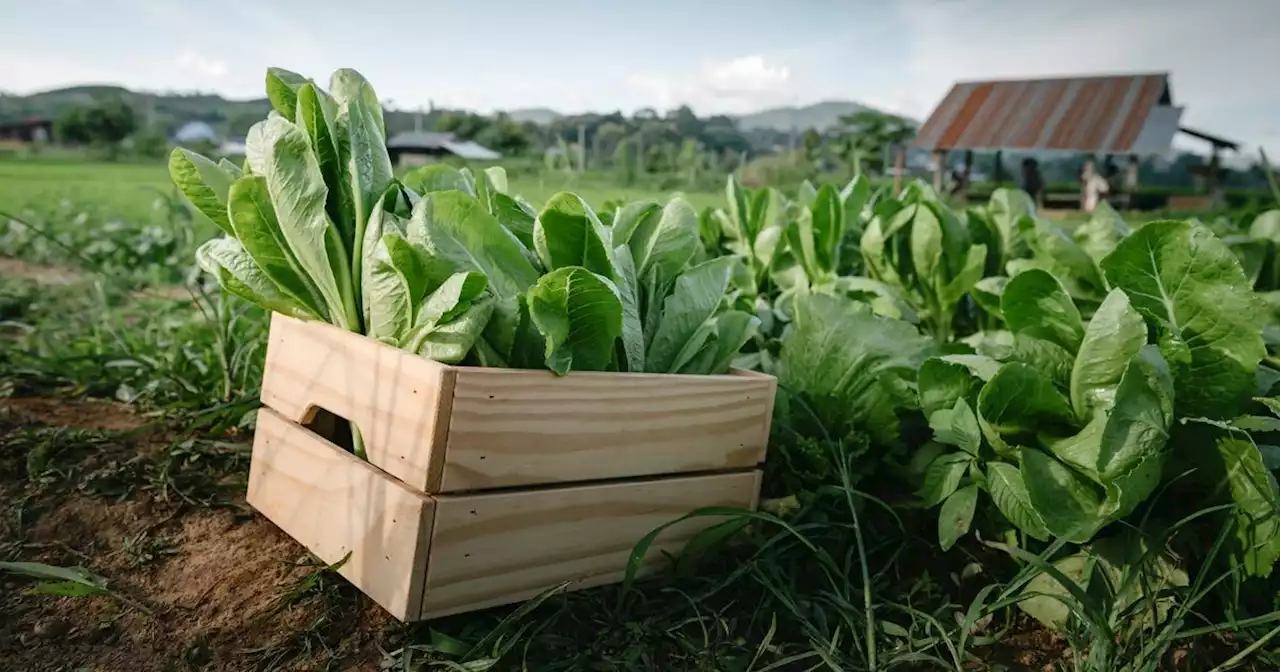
(999, 442)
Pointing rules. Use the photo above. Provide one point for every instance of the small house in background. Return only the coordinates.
(1131, 116)
(195, 131)
(33, 130)
(414, 148)
(232, 147)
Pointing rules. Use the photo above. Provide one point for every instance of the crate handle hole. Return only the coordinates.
(330, 426)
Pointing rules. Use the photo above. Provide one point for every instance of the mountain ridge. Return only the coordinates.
(174, 107)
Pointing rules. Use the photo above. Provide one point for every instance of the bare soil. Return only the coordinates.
(221, 585)
(198, 580)
(44, 273)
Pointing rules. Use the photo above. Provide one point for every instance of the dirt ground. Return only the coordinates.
(198, 581)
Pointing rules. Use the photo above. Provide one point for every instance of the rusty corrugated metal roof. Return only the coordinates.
(1102, 114)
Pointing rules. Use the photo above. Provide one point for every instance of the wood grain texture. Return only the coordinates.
(399, 401)
(497, 548)
(515, 428)
(448, 429)
(335, 504)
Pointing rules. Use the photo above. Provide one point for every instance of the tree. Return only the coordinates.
(106, 124)
(686, 124)
(70, 127)
(812, 145)
(690, 159)
(609, 137)
(866, 135)
(505, 136)
(624, 163)
(150, 143)
(463, 125)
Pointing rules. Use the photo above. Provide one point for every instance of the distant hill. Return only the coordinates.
(819, 116)
(538, 115)
(166, 111)
(232, 118)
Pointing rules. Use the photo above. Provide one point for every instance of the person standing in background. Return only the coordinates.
(1093, 186)
(1032, 183)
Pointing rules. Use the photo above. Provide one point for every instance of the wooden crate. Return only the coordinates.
(449, 429)
(421, 556)
(490, 486)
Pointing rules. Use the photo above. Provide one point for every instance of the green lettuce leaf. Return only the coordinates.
(1020, 399)
(204, 183)
(666, 239)
(733, 329)
(579, 314)
(942, 477)
(436, 177)
(459, 235)
(282, 154)
(988, 292)
(1006, 208)
(1115, 334)
(390, 304)
(848, 361)
(684, 326)
(226, 259)
(957, 426)
(1253, 488)
(317, 114)
(956, 516)
(282, 90)
(1069, 503)
(1054, 251)
(348, 86)
(633, 341)
(568, 233)
(1009, 492)
(254, 222)
(1035, 303)
(1189, 285)
(942, 383)
(449, 342)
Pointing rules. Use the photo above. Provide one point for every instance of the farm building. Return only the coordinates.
(419, 147)
(1131, 116)
(27, 131)
(195, 131)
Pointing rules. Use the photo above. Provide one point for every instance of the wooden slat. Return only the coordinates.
(447, 429)
(496, 548)
(335, 504)
(512, 428)
(399, 401)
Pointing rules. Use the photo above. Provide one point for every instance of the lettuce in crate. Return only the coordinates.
(447, 263)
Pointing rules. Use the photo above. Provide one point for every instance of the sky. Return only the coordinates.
(718, 56)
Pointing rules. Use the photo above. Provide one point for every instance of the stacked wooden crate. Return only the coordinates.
(488, 486)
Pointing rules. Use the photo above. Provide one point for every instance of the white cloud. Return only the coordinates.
(741, 84)
(209, 67)
(1213, 50)
(745, 75)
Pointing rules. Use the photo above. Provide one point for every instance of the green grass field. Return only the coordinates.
(129, 190)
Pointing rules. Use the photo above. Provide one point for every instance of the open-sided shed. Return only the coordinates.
(1131, 115)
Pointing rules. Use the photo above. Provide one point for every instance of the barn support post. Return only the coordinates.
(999, 173)
(938, 159)
(965, 172)
(1216, 195)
